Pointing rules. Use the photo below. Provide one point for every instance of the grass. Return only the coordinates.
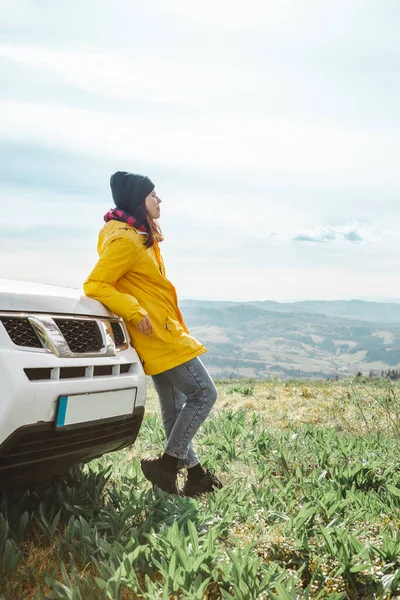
(311, 507)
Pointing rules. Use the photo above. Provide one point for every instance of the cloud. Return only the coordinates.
(32, 167)
(352, 236)
(200, 113)
(110, 75)
(328, 234)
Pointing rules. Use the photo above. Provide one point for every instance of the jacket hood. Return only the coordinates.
(113, 230)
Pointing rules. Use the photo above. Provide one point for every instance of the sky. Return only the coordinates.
(270, 128)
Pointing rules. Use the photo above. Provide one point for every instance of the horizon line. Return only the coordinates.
(291, 301)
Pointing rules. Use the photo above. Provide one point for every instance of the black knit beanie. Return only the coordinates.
(129, 190)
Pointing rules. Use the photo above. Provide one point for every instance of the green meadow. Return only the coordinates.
(310, 507)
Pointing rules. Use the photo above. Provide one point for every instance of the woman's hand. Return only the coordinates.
(145, 326)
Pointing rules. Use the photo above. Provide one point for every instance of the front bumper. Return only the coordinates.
(35, 453)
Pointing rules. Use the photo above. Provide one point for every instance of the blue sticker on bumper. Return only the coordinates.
(62, 409)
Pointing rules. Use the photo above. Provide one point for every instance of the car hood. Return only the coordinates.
(24, 296)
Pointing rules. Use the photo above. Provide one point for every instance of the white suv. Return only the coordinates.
(71, 386)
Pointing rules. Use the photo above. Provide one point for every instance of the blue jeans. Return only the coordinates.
(186, 394)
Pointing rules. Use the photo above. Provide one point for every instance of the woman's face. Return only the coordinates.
(152, 204)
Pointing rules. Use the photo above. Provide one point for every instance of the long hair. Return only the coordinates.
(153, 228)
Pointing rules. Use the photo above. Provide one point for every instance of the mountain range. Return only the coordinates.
(315, 339)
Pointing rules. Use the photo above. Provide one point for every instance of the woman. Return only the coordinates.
(130, 280)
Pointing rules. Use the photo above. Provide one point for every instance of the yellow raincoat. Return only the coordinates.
(129, 279)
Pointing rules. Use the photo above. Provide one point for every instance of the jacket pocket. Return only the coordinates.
(173, 327)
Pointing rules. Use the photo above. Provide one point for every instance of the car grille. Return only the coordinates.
(21, 332)
(81, 335)
(118, 333)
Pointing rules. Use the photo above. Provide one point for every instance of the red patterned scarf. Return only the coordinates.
(116, 214)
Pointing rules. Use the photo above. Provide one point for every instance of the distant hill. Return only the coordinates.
(300, 339)
(380, 312)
